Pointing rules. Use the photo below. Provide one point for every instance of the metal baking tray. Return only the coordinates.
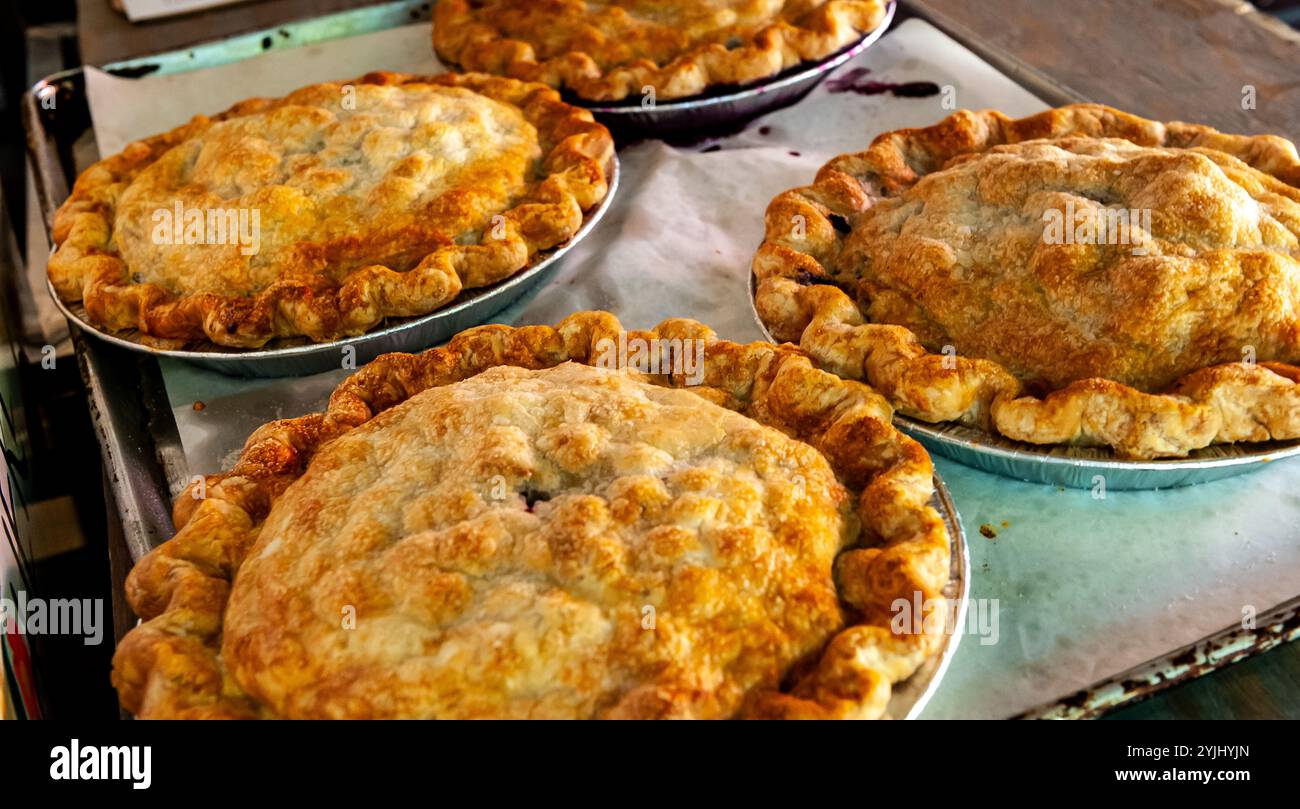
(49, 131)
(1079, 467)
(911, 696)
(143, 459)
(729, 106)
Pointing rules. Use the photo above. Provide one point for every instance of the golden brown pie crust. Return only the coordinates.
(608, 50)
(920, 265)
(381, 197)
(773, 556)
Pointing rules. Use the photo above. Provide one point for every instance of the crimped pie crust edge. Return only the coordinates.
(461, 38)
(168, 667)
(86, 267)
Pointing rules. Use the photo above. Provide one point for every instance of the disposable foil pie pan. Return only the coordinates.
(1080, 467)
(300, 357)
(912, 695)
(1091, 467)
(721, 107)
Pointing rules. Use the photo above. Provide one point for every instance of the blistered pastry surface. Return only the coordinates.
(540, 544)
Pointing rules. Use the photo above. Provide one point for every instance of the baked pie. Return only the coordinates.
(608, 50)
(509, 526)
(322, 213)
(1081, 277)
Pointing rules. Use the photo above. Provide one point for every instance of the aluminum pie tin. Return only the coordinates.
(731, 106)
(911, 696)
(300, 358)
(1091, 467)
(1079, 467)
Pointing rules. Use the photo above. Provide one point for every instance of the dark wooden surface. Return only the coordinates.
(1163, 59)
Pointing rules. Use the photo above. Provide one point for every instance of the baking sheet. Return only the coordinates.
(1083, 587)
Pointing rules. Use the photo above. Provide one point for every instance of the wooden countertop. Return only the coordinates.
(1162, 59)
(1168, 60)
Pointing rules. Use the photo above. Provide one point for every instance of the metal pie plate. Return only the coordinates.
(1091, 467)
(1079, 467)
(911, 696)
(299, 357)
(732, 105)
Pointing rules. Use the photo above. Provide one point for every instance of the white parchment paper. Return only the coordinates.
(1084, 588)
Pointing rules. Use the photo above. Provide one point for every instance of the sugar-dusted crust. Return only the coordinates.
(579, 497)
(925, 266)
(608, 50)
(380, 197)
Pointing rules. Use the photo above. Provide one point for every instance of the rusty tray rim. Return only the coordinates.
(1232, 644)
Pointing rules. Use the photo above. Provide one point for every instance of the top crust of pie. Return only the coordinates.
(322, 213)
(495, 529)
(1143, 278)
(506, 541)
(608, 50)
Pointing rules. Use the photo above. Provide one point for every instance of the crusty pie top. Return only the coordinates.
(609, 49)
(382, 175)
(1082, 276)
(494, 529)
(960, 258)
(324, 212)
(538, 544)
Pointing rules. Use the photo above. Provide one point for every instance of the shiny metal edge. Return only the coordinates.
(412, 335)
(911, 696)
(1089, 467)
(1233, 644)
(125, 401)
(747, 102)
(1077, 467)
